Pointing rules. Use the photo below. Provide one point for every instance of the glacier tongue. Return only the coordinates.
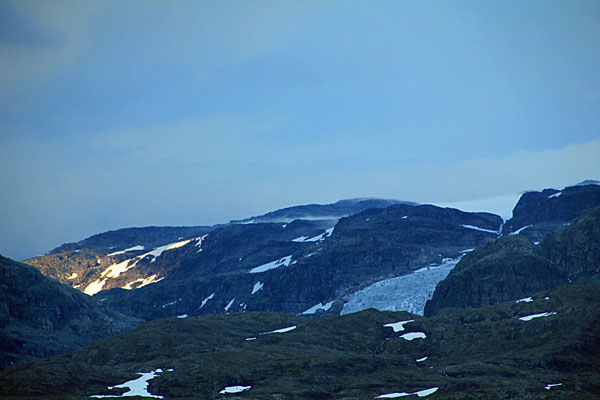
(404, 293)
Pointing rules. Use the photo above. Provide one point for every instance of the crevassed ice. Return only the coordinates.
(404, 293)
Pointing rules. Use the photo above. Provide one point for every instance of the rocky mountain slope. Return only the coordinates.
(538, 213)
(314, 265)
(133, 257)
(40, 317)
(547, 347)
(513, 267)
(266, 267)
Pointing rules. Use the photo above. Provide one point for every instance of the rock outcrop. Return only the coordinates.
(538, 213)
(512, 267)
(40, 317)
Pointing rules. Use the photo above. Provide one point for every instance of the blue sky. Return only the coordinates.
(116, 114)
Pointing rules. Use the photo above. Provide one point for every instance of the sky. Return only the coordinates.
(116, 114)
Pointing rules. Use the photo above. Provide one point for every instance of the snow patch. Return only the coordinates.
(206, 300)
(317, 307)
(228, 306)
(73, 275)
(413, 335)
(235, 389)
(420, 393)
(421, 359)
(143, 282)
(257, 287)
(525, 300)
(94, 287)
(134, 248)
(137, 387)
(199, 243)
(157, 252)
(272, 265)
(282, 330)
(182, 316)
(398, 326)
(170, 304)
(551, 385)
(117, 269)
(480, 229)
(552, 196)
(322, 236)
(540, 315)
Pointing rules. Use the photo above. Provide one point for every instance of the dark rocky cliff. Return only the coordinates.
(40, 317)
(513, 267)
(541, 212)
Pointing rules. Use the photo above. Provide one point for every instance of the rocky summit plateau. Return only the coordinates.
(363, 298)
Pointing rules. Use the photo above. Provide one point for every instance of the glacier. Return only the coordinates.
(404, 293)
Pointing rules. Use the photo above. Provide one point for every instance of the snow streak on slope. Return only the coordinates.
(405, 293)
(317, 307)
(117, 269)
(272, 265)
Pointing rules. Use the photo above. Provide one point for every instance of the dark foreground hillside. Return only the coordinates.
(545, 347)
(40, 317)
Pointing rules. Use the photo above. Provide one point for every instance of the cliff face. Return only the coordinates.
(506, 269)
(512, 267)
(575, 249)
(541, 212)
(40, 317)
